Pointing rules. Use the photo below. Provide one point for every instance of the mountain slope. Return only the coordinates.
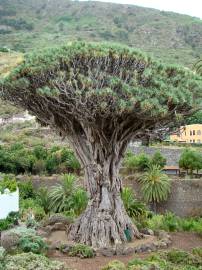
(31, 24)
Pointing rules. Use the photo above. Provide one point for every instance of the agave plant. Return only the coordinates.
(155, 185)
(43, 199)
(68, 195)
(79, 200)
(133, 207)
(61, 193)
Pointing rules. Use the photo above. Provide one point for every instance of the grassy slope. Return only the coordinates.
(172, 37)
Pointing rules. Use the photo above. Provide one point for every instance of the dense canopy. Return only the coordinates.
(93, 82)
(100, 96)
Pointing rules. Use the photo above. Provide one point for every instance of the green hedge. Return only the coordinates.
(17, 159)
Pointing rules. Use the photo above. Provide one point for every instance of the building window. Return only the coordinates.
(193, 132)
(190, 133)
(198, 132)
(193, 141)
(190, 141)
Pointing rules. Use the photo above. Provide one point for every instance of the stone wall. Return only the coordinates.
(172, 155)
(185, 198)
(40, 181)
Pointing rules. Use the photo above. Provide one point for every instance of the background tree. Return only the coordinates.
(100, 97)
(190, 160)
(158, 159)
(196, 118)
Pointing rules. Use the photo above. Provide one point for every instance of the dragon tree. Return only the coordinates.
(100, 97)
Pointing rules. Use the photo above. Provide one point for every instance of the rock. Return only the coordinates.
(107, 252)
(119, 249)
(55, 245)
(147, 231)
(162, 234)
(56, 218)
(59, 227)
(144, 247)
(43, 233)
(162, 244)
(138, 250)
(47, 229)
(65, 248)
(128, 251)
(9, 240)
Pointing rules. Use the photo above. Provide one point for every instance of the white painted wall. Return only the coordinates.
(9, 203)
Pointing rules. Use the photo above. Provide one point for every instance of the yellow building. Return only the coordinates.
(188, 134)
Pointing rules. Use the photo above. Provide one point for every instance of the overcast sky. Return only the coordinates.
(190, 7)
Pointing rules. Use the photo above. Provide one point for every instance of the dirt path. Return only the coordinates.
(185, 241)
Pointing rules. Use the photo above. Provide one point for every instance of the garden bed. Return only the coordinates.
(185, 241)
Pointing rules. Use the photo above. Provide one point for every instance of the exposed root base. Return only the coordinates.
(98, 228)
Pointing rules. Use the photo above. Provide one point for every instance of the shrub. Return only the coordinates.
(169, 260)
(82, 251)
(32, 243)
(134, 208)
(2, 258)
(140, 162)
(23, 231)
(31, 206)
(190, 160)
(158, 160)
(2, 253)
(40, 152)
(130, 163)
(32, 261)
(197, 251)
(66, 196)
(43, 199)
(79, 200)
(4, 49)
(7, 223)
(143, 162)
(17, 159)
(170, 222)
(115, 265)
(26, 189)
(137, 264)
(176, 256)
(8, 183)
(39, 167)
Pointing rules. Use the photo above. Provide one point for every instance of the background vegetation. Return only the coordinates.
(31, 24)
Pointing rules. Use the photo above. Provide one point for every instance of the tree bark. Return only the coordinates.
(105, 220)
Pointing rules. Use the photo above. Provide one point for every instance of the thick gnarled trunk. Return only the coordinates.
(105, 221)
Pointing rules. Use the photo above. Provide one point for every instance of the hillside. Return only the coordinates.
(29, 24)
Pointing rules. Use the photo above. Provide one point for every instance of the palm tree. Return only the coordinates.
(155, 185)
